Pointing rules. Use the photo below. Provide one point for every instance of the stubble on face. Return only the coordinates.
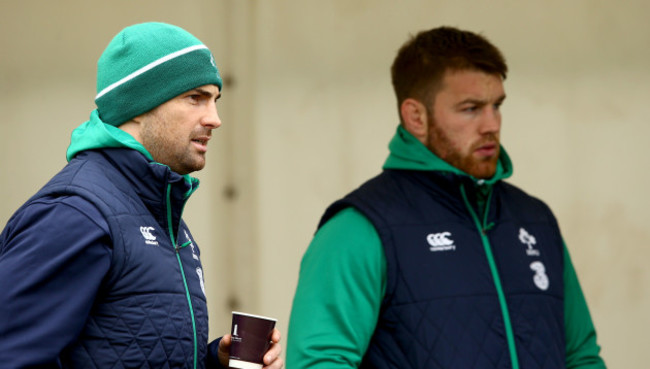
(169, 145)
(440, 144)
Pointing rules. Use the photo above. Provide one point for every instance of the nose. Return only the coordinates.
(491, 122)
(211, 117)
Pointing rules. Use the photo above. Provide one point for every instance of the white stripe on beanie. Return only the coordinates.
(148, 67)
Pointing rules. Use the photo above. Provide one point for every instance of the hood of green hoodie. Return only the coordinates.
(95, 134)
(407, 152)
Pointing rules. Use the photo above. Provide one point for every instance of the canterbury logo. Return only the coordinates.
(148, 237)
(440, 242)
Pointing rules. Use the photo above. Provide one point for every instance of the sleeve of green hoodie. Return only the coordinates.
(582, 349)
(341, 286)
(339, 293)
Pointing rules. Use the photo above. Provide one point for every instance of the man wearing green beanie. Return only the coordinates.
(98, 269)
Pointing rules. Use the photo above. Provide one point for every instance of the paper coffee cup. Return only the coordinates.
(251, 339)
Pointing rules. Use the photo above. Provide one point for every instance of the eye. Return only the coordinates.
(197, 99)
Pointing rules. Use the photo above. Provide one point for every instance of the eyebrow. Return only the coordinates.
(207, 94)
(481, 102)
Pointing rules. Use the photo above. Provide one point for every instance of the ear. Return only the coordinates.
(133, 127)
(414, 118)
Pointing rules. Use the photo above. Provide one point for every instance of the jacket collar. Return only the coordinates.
(162, 191)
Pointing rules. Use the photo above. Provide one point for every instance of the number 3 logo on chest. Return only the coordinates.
(540, 278)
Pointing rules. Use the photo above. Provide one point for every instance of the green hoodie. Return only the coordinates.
(342, 280)
(95, 134)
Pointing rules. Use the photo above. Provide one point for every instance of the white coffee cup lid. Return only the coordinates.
(254, 316)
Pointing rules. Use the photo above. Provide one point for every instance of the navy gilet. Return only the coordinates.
(142, 316)
(441, 308)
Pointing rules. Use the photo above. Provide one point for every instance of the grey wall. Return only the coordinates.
(309, 111)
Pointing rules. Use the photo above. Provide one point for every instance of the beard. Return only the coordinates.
(440, 144)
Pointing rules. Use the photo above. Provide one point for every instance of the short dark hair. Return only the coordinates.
(421, 62)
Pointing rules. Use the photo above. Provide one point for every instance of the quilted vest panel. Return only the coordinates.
(141, 318)
(441, 308)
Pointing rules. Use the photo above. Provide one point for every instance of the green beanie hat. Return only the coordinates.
(148, 64)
